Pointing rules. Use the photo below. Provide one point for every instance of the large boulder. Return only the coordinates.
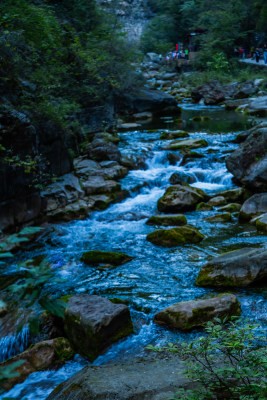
(187, 315)
(212, 93)
(142, 100)
(92, 323)
(235, 269)
(41, 356)
(254, 206)
(248, 163)
(96, 257)
(136, 380)
(180, 198)
(175, 236)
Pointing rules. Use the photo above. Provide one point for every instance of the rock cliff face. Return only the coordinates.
(132, 14)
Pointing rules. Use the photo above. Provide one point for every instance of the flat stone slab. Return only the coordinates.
(136, 380)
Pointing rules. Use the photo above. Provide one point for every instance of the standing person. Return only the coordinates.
(244, 52)
(265, 53)
(257, 54)
(186, 52)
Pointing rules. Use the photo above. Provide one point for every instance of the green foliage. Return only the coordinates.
(224, 25)
(230, 362)
(30, 289)
(60, 56)
(9, 371)
(218, 63)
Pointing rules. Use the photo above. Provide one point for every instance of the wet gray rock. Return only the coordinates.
(180, 198)
(134, 380)
(254, 206)
(102, 150)
(181, 177)
(248, 163)
(98, 185)
(92, 323)
(235, 269)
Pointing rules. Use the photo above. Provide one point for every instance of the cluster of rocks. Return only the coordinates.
(91, 323)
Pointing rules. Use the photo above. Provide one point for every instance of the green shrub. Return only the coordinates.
(230, 362)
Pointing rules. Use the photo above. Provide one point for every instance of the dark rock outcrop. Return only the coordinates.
(212, 93)
(142, 100)
(248, 163)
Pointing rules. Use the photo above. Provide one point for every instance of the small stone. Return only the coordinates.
(224, 217)
(217, 201)
(204, 207)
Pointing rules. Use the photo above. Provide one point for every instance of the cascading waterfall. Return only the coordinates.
(157, 276)
(14, 344)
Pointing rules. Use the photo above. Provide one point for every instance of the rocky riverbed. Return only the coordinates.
(189, 219)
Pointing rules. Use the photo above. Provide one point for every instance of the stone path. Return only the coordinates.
(250, 61)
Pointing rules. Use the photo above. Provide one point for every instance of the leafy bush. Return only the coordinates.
(230, 362)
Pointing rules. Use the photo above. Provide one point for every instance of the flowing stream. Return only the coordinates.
(157, 277)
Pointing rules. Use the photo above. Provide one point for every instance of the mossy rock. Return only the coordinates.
(261, 223)
(167, 220)
(97, 257)
(175, 236)
(188, 315)
(187, 145)
(174, 135)
(204, 207)
(224, 217)
(231, 208)
(192, 155)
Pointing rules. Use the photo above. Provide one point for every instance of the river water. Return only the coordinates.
(157, 277)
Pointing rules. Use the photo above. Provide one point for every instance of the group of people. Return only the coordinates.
(177, 55)
(254, 53)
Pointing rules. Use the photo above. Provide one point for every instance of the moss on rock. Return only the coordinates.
(224, 217)
(167, 220)
(175, 236)
(174, 135)
(96, 257)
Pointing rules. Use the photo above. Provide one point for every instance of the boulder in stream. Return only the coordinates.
(254, 206)
(232, 207)
(96, 257)
(178, 178)
(248, 163)
(217, 201)
(188, 315)
(41, 356)
(188, 144)
(175, 236)
(167, 220)
(174, 135)
(180, 198)
(92, 323)
(223, 217)
(141, 379)
(238, 268)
